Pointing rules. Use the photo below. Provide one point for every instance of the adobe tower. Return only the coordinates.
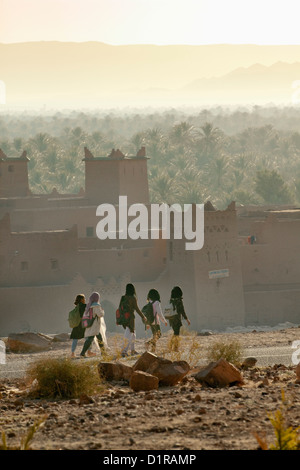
(14, 176)
(107, 178)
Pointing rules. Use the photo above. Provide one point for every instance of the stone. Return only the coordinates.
(219, 374)
(114, 371)
(145, 361)
(249, 362)
(85, 399)
(28, 342)
(169, 373)
(142, 381)
(61, 337)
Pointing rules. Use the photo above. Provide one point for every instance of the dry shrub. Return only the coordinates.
(185, 348)
(231, 351)
(63, 378)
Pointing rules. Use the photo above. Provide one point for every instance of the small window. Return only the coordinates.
(10, 168)
(54, 264)
(90, 231)
(24, 265)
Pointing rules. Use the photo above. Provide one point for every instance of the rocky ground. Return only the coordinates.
(184, 417)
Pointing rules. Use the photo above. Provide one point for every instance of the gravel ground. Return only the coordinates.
(186, 417)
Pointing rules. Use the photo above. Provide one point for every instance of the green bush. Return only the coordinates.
(231, 351)
(63, 378)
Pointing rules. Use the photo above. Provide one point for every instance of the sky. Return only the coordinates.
(160, 22)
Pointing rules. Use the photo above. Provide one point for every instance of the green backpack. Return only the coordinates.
(148, 312)
(74, 317)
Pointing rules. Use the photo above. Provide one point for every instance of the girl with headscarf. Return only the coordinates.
(97, 329)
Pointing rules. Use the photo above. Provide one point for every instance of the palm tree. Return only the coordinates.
(209, 141)
(17, 143)
(163, 189)
(40, 142)
(182, 135)
(272, 188)
(217, 171)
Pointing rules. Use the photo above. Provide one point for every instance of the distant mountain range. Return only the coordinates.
(278, 83)
(82, 75)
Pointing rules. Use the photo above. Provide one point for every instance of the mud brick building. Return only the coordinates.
(49, 252)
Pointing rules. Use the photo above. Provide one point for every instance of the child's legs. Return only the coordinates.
(74, 344)
(87, 345)
(129, 338)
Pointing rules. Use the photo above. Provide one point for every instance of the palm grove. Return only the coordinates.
(250, 156)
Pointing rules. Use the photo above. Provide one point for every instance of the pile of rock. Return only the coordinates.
(151, 371)
(148, 373)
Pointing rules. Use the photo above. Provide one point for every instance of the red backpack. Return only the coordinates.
(123, 312)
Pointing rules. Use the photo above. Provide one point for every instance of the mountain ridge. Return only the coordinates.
(95, 73)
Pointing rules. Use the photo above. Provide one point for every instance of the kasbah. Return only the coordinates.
(246, 273)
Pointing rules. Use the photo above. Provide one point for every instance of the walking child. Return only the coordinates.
(131, 306)
(154, 299)
(94, 318)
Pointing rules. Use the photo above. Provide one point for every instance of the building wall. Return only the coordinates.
(211, 277)
(271, 269)
(13, 177)
(36, 258)
(271, 307)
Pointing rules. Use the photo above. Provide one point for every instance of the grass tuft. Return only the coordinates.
(63, 378)
(231, 351)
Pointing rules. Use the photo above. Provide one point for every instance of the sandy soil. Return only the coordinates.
(185, 417)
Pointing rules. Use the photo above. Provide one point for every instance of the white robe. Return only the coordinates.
(98, 325)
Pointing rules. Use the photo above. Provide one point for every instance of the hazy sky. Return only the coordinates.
(151, 21)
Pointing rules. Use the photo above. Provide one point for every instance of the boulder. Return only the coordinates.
(168, 373)
(142, 381)
(145, 361)
(28, 342)
(219, 374)
(114, 371)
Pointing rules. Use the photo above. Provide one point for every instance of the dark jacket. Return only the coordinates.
(175, 322)
(78, 331)
(133, 307)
